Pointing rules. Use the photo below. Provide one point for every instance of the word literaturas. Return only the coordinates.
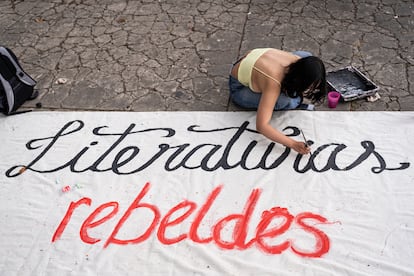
(128, 159)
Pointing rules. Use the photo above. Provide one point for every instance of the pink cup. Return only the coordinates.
(333, 99)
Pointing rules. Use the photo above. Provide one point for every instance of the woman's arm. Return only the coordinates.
(264, 115)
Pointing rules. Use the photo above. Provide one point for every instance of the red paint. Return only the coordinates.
(322, 240)
(265, 230)
(262, 231)
(89, 223)
(135, 205)
(240, 228)
(193, 233)
(165, 222)
(66, 189)
(68, 215)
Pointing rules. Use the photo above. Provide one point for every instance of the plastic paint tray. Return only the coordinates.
(351, 83)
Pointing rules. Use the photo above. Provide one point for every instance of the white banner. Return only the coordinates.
(100, 193)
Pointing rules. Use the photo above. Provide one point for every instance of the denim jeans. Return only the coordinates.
(243, 96)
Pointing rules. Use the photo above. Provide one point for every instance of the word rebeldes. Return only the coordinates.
(264, 238)
(129, 159)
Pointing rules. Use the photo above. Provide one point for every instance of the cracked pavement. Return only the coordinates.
(175, 55)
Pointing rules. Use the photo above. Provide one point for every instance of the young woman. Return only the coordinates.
(269, 79)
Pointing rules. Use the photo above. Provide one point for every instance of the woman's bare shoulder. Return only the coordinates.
(281, 57)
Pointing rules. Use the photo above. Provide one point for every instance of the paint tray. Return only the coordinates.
(351, 83)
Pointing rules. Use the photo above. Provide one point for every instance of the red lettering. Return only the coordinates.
(165, 222)
(262, 231)
(68, 216)
(273, 223)
(135, 205)
(322, 240)
(240, 228)
(200, 215)
(89, 223)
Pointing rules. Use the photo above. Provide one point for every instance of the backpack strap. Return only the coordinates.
(25, 78)
(9, 94)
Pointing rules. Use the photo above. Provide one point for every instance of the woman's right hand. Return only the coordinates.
(300, 147)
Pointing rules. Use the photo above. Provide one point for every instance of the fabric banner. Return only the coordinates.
(178, 193)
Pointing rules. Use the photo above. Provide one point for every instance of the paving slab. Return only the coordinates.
(174, 55)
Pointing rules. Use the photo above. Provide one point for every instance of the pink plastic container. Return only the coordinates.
(333, 99)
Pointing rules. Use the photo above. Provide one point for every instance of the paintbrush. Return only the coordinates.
(304, 138)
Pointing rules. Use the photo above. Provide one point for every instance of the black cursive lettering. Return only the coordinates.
(232, 153)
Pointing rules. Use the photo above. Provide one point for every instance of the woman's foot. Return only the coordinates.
(303, 106)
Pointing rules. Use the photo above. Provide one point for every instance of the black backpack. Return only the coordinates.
(16, 86)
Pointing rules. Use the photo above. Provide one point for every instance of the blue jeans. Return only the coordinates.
(243, 96)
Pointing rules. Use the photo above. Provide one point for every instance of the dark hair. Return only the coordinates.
(302, 75)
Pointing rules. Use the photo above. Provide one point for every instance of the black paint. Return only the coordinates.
(180, 156)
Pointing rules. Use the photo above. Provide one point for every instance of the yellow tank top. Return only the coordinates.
(247, 65)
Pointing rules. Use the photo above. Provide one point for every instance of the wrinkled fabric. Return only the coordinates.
(179, 193)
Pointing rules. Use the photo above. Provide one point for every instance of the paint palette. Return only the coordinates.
(351, 83)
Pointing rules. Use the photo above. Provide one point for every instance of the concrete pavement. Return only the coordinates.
(170, 55)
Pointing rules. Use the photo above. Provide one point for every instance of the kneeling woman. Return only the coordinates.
(269, 79)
